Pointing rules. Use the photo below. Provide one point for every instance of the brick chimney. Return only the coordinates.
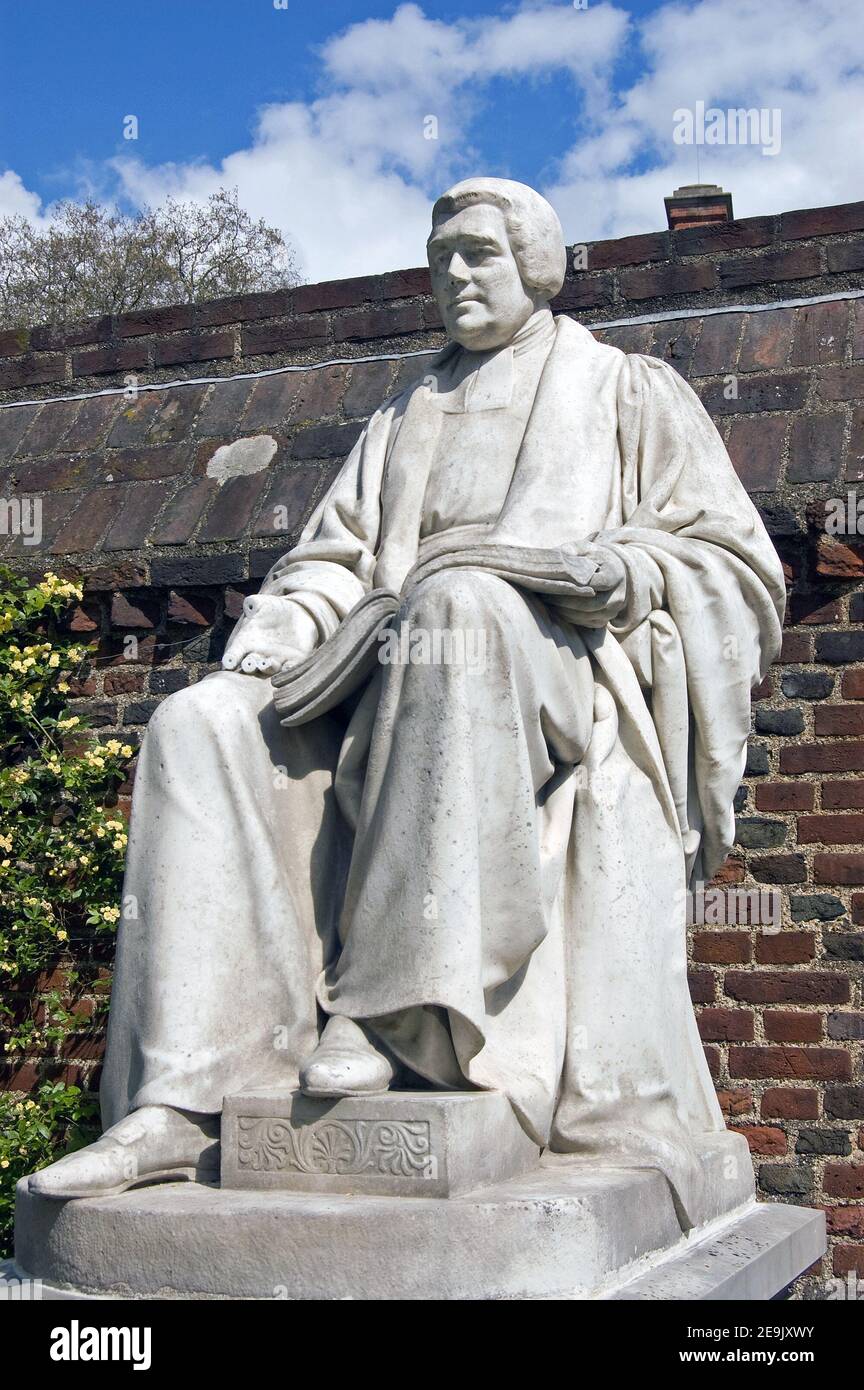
(698, 205)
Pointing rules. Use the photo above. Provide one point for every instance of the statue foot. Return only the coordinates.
(153, 1144)
(346, 1062)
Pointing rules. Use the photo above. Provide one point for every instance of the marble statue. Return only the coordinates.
(469, 874)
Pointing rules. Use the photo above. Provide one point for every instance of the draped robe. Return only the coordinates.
(501, 894)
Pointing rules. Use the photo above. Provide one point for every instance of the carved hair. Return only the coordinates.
(535, 234)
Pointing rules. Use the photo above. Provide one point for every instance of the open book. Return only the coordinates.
(345, 661)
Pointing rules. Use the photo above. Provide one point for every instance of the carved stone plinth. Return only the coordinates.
(402, 1144)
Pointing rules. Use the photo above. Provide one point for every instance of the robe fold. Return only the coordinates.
(499, 858)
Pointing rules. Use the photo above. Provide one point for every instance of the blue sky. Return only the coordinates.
(319, 113)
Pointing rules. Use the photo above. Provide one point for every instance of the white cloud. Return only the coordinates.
(349, 176)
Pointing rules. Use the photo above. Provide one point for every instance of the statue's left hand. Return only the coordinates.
(275, 632)
(601, 600)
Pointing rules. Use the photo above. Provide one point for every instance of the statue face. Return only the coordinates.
(476, 280)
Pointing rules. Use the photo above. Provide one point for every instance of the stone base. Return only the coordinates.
(401, 1144)
(561, 1232)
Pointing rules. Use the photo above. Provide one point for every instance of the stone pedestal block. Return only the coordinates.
(401, 1144)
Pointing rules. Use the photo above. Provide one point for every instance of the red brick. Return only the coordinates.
(763, 1139)
(404, 284)
(85, 618)
(843, 796)
(846, 255)
(196, 610)
(223, 409)
(756, 394)
(790, 1103)
(133, 613)
(764, 690)
(735, 1102)
(174, 420)
(848, 1259)
(194, 347)
(853, 684)
(857, 903)
(662, 280)
(320, 392)
(232, 508)
(123, 682)
(134, 420)
(756, 446)
(714, 1060)
(14, 341)
(838, 868)
(799, 1063)
(726, 1025)
(721, 947)
(288, 503)
(786, 1025)
(845, 1221)
(836, 560)
(844, 1180)
(701, 985)
(368, 388)
(797, 649)
(785, 947)
(581, 292)
(339, 294)
(787, 986)
(49, 427)
(769, 267)
(101, 361)
(163, 461)
(812, 222)
(730, 871)
(855, 455)
(784, 796)
(830, 830)
(820, 333)
(822, 757)
(839, 720)
(767, 340)
(724, 236)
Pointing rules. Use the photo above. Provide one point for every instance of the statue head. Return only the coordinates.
(496, 254)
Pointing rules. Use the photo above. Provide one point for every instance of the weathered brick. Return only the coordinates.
(785, 947)
(845, 1221)
(830, 830)
(796, 647)
(193, 610)
(581, 292)
(766, 1140)
(790, 1103)
(104, 361)
(827, 221)
(784, 796)
(48, 428)
(836, 647)
(232, 508)
(724, 236)
(89, 522)
(798, 1063)
(846, 255)
(853, 685)
(717, 348)
(756, 394)
(755, 447)
(173, 318)
(368, 387)
(660, 281)
(735, 1102)
(34, 369)
(140, 507)
(183, 512)
(92, 422)
(844, 1180)
(343, 294)
(195, 570)
(194, 347)
(135, 419)
(674, 341)
(123, 682)
(272, 400)
(770, 267)
(767, 340)
(835, 560)
(844, 1102)
(806, 685)
(838, 868)
(223, 408)
(816, 448)
(288, 503)
(843, 945)
(811, 608)
(128, 612)
(819, 1142)
(628, 250)
(757, 760)
(325, 441)
(786, 986)
(140, 711)
(261, 339)
(389, 322)
(841, 383)
(15, 420)
(843, 796)
(162, 461)
(165, 682)
(701, 986)
(752, 832)
(823, 907)
(782, 1180)
(175, 417)
(782, 722)
(789, 1025)
(820, 333)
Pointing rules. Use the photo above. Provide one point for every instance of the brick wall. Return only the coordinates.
(169, 551)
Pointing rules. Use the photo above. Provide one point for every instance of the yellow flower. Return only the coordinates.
(120, 842)
(4, 1163)
(84, 858)
(126, 751)
(111, 914)
(99, 832)
(63, 686)
(62, 936)
(5, 841)
(69, 722)
(112, 747)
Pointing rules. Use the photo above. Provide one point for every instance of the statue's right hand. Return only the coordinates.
(275, 632)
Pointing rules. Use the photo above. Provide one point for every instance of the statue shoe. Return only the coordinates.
(346, 1062)
(154, 1144)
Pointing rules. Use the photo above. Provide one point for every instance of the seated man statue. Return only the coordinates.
(468, 874)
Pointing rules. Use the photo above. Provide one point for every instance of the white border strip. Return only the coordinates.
(671, 316)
